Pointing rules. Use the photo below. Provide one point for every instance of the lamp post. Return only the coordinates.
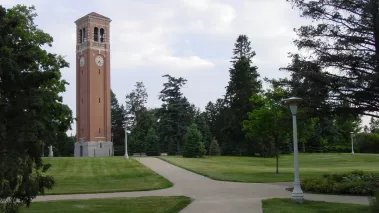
(352, 142)
(297, 193)
(126, 156)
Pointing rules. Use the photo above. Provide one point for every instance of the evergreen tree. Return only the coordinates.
(242, 85)
(343, 44)
(152, 143)
(31, 108)
(214, 149)
(175, 114)
(193, 145)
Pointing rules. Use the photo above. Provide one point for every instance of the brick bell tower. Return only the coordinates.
(93, 102)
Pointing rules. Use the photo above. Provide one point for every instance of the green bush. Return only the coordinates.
(368, 143)
(193, 145)
(214, 148)
(152, 144)
(354, 183)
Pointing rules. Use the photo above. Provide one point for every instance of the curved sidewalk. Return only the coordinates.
(210, 195)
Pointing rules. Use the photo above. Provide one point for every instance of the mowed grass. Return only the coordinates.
(277, 205)
(260, 170)
(96, 175)
(119, 205)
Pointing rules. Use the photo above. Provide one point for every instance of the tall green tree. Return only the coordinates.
(31, 108)
(270, 123)
(242, 85)
(137, 117)
(193, 145)
(343, 43)
(118, 116)
(175, 114)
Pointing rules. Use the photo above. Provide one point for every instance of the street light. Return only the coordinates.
(297, 193)
(352, 143)
(126, 142)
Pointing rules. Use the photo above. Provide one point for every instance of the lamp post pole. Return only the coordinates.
(126, 156)
(352, 143)
(297, 193)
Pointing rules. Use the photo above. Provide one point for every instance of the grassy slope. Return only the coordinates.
(248, 169)
(277, 205)
(95, 175)
(124, 205)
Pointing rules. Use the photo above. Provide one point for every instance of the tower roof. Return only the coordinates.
(94, 14)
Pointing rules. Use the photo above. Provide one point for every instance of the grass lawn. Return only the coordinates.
(249, 169)
(277, 205)
(95, 175)
(120, 205)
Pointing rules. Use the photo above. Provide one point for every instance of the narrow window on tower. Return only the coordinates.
(99, 100)
(102, 35)
(82, 72)
(80, 36)
(96, 34)
(99, 71)
(99, 130)
(84, 35)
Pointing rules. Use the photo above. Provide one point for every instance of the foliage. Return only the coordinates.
(139, 119)
(64, 146)
(31, 109)
(242, 85)
(175, 115)
(152, 143)
(118, 116)
(343, 55)
(214, 149)
(367, 143)
(270, 122)
(355, 182)
(193, 145)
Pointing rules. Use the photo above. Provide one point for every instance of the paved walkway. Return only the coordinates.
(211, 195)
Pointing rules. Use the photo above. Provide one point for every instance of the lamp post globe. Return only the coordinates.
(297, 193)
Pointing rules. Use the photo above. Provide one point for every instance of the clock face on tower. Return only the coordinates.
(82, 61)
(99, 60)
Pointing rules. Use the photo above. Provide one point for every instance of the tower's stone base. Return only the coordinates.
(93, 149)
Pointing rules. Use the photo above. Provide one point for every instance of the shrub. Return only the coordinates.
(152, 144)
(214, 148)
(193, 146)
(355, 183)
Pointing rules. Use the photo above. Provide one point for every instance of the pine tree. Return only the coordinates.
(152, 143)
(193, 145)
(214, 149)
(243, 84)
(175, 114)
(342, 42)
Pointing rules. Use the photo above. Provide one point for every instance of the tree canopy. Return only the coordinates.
(31, 108)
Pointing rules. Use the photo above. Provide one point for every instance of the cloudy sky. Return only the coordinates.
(188, 38)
